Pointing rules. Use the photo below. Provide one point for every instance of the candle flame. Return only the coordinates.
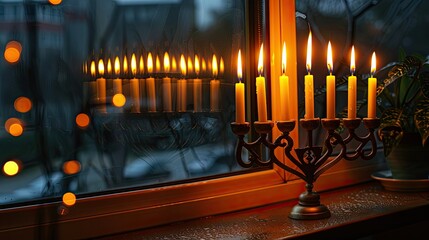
(149, 63)
(183, 65)
(125, 65)
(221, 66)
(352, 61)
(197, 64)
(157, 64)
(166, 62)
(203, 65)
(117, 66)
(101, 67)
(190, 65)
(239, 67)
(214, 66)
(93, 68)
(109, 66)
(133, 64)
(373, 64)
(261, 60)
(141, 64)
(308, 63)
(173, 64)
(329, 58)
(284, 59)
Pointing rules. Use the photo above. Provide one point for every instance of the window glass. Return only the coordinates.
(94, 97)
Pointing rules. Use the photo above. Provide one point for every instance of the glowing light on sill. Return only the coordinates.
(69, 199)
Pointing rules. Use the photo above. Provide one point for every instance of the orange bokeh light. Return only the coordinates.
(71, 167)
(55, 2)
(12, 52)
(12, 167)
(14, 127)
(119, 100)
(22, 104)
(69, 199)
(82, 120)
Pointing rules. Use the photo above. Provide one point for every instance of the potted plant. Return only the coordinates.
(404, 129)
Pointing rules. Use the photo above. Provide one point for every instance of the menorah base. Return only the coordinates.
(301, 212)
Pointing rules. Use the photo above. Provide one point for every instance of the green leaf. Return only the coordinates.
(412, 61)
(391, 129)
(424, 80)
(421, 119)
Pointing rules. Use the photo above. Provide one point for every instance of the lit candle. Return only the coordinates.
(351, 113)
(126, 83)
(134, 87)
(92, 85)
(260, 88)
(198, 93)
(181, 87)
(142, 83)
(284, 89)
(239, 93)
(308, 84)
(214, 87)
(150, 85)
(173, 64)
(166, 86)
(330, 86)
(101, 87)
(117, 82)
(372, 90)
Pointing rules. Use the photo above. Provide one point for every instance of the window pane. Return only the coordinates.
(75, 120)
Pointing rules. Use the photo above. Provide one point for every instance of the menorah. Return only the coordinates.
(311, 160)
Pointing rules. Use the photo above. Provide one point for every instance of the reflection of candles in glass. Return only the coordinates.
(330, 86)
(260, 88)
(239, 93)
(134, 84)
(308, 83)
(214, 87)
(190, 66)
(142, 83)
(150, 85)
(92, 86)
(166, 86)
(203, 66)
(117, 82)
(351, 111)
(173, 64)
(157, 64)
(198, 93)
(101, 87)
(126, 83)
(181, 87)
(284, 89)
(372, 89)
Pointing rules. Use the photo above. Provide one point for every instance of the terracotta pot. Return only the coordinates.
(410, 160)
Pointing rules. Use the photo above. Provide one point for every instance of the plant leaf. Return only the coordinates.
(421, 119)
(424, 80)
(391, 129)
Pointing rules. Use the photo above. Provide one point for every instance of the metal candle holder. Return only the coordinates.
(311, 160)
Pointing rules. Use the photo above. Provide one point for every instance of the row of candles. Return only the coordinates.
(139, 82)
(308, 88)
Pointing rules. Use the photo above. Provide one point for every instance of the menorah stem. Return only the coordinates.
(309, 207)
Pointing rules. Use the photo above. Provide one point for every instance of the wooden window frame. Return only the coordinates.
(127, 211)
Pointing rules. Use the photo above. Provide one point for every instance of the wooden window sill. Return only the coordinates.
(357, 211)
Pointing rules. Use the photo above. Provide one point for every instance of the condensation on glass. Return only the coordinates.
(84, 110)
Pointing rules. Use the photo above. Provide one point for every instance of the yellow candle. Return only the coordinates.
(260, 89)
(239, 94)
(166, 86)
(181, 87)
(284, 89)
(150, 86)
(134, 87)
(372, 90)
(330, 86)
(351, 109)
(198, 94)
(101, 88)
(117, 82)
(214, 87)
(308, 85)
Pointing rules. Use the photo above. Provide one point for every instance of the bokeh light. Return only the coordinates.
(12, 51)
(82, 120)
(118, 100)
(55, 2)
(12, 167)
(22, 104)
(69, 199)
(71, 167)
(14, 127)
